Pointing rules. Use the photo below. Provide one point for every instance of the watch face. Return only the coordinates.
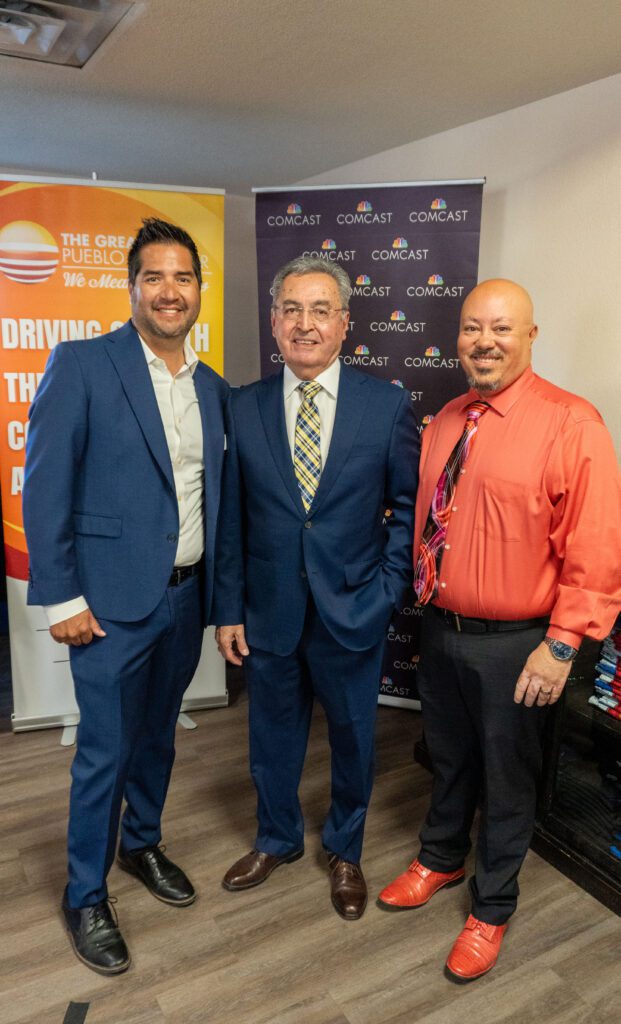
(561, 651)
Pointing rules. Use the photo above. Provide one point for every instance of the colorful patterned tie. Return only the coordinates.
(307, 450)
(429, 558)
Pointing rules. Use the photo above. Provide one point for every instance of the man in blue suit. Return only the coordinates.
(122, 485)
(311, 566)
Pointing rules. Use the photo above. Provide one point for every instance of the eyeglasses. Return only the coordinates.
(291, 312)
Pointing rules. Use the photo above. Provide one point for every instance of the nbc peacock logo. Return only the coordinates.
(426, 419)
(28, 252)
(397, 315)
(432, 351)
(400, 243)
(363, 279)
(398, 383)
(438, 204)
(364, 206)
(435, 279)
(361, 350)
(294, 208)
(328, 245)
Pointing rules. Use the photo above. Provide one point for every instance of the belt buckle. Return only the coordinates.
(457, 622)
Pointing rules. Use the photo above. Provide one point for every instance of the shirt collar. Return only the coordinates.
(329, 380)
(189, 355)
(502, 401)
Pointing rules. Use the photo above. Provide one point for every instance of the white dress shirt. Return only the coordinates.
(325, 400)
(181, 419)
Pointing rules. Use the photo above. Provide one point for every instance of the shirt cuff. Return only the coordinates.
(566, 636)
(59, 612)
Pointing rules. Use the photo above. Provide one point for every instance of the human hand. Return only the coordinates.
(77, 630)
(231, 641)
(542, 679)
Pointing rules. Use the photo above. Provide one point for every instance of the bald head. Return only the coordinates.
(496, 334)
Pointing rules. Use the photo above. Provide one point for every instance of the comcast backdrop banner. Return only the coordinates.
(412, 253)
(63, 276)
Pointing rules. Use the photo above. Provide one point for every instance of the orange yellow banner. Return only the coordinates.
(63, 275)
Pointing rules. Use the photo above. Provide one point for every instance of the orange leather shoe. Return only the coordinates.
(416, 886)
(475, 950)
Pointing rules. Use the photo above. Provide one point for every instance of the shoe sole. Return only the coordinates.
(171, 903)
(349, 917)
(415, 906)
(106, 971)
(252, 885)
(460, 980)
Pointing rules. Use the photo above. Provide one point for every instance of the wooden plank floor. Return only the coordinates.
(279, 954)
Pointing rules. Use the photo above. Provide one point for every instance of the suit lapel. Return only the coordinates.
(350, 406)
(213, 432)
(126, 353)
(272, 412)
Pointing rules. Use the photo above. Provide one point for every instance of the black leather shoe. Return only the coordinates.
(95, 936)
(164, 879)
(254, 868)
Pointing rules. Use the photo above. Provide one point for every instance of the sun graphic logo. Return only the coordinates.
(329, 245)
(28, 252)
(363, 279)
(364, 206)
(294, 208)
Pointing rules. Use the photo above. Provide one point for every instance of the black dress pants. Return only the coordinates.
(484, 748)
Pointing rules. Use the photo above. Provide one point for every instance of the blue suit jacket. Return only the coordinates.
(100, 508)
(356, 562)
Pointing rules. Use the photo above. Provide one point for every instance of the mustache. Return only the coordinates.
(486, 353)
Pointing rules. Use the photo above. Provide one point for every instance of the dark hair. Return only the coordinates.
(160, 232)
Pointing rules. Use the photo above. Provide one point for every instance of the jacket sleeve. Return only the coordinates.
(229, 586)
(56, 440)
(400, 498)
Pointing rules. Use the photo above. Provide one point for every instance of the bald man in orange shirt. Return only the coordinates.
(517, 553)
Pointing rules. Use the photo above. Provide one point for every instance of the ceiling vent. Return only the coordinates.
(67, 32)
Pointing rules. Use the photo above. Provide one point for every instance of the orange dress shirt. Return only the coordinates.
(535, 527)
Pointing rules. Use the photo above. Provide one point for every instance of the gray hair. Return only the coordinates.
(314, 265)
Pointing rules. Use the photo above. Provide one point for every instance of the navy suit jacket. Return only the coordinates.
(355, 561)
(100, 508)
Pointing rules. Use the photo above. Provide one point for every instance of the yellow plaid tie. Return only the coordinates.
(307, 450)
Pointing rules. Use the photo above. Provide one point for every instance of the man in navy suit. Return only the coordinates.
(121, 495)
(311, 566)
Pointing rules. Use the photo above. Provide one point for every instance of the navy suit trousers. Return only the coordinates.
(129, 686)
(281, 692)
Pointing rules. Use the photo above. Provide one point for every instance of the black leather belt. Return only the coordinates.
(183, 572)
(461, 624)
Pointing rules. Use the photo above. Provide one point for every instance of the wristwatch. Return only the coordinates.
(559, 650)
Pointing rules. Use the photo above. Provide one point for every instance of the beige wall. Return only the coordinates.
(551, 220)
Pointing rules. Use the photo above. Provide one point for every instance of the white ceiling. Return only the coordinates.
(235, 93)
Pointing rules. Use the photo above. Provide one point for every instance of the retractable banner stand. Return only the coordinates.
(412, 253)
(63, 276)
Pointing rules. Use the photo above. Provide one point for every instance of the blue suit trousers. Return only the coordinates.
(129, 686)
(281, 691)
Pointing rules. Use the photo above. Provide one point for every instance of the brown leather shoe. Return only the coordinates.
(254, 868)
(416, 886)
(348, 888)
(475, 950)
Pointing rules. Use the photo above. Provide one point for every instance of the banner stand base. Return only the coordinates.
(186, 722)
(400, 702)
(67, 738)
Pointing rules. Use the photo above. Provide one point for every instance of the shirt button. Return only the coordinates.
(443, 585)
(462, 471)
(307, 524)
(454, 508)
(447, 547)
(171, 537)
(303, 575)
